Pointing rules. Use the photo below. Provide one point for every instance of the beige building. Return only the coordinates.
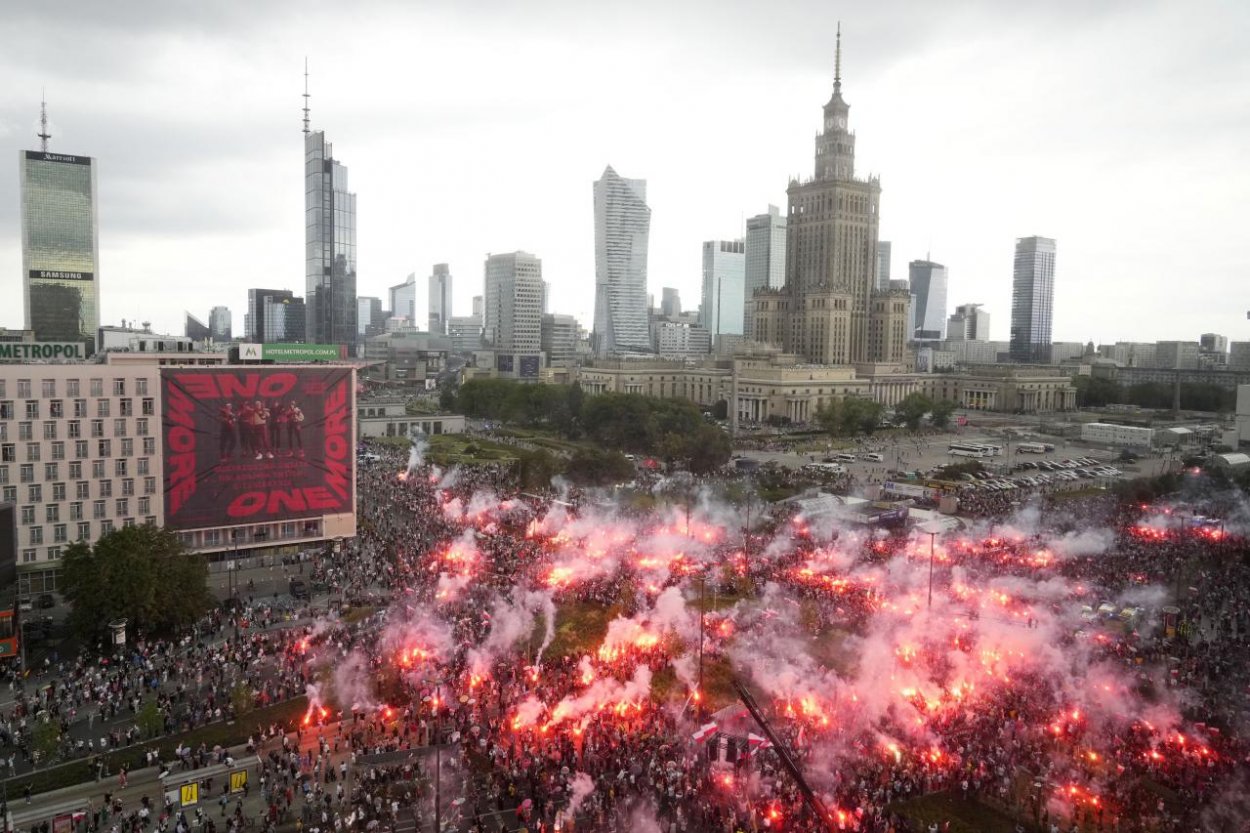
(1007, 388)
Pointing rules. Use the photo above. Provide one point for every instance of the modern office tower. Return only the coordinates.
(60, 244)
(822, 313)
(765, 257)
(724, 274)
(512, 320)
(330, 244)
(883, 264)
(403, 297)
(369, 320)
(1213, 343)
(1032, 299)
(969, 323)
(670, 303)
(440, 299)
(622, 228)
(195, 329)
(559, 339)
(219, 322)
(1177, 355)
(275, 315)
(928, 284)
(479, 308)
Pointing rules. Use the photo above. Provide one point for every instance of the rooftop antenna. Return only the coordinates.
(305, 95)
(837, 60)
(43, 133)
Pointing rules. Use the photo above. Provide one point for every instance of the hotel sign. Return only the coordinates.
(44, 156)
(22, 351)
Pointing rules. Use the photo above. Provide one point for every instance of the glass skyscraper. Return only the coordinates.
(60, 246)
(1032, 300)
(622, 231)
(330, 245)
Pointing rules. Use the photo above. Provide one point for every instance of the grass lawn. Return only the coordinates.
(451, 449)
(964, 816)
(580, 629)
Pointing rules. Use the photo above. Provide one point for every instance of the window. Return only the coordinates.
(32, 452)
(84, 531)
(6, 409)
(101, 407)
(82, 489)
(123, 506)
(97, 509)
(145, 505)
(58, 450)
(58, 491)
(4, 430)
(128, 486)
(10, 494)
(48, 386)
(8, 452)
(128, 522)
(28, 556)
(106, 448)
(141, 426)
(97, 469)
(80, 449)
(97, 428)
(75, 511)
(143, 466)
(128, 447)
(149, 445)
(97, 387)
(56, 408)
(141, 386)
(35, 492)
(75, 429)
(71, 387)
(119, 467)
(51, 471)
(49, 430)
(54, 553)
(52, 512)
(80, 407)
(149, 485)
(119, 387)
(106, 526)
(119, 428)
(25, 431)
(106, 488)
(23, 388)
(27, 471)
(32, 409)
(149, 406)
(28, 515)
(4, 474)
(36, 535)
(75, 470)
(127, 407)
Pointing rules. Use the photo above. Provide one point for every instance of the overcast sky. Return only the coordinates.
(1122, 129)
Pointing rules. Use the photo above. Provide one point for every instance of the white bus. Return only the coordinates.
(968, 450)
(1031, 448)
(994, 450)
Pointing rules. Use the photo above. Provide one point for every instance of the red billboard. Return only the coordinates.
(253, 445)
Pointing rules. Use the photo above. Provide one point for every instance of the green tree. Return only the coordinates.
(150, 720)
(45, 739)
(242, 699)
(598, 467)
(912, 409)
(707, 449)
(447, 396)
(850, 416)
(138, 573)
(534, 469)
(940, 415)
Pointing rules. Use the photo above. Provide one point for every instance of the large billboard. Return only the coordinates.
(251, 445)
(292, 352)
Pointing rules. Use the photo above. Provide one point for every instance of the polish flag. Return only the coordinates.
(756, 743)
(705, 731)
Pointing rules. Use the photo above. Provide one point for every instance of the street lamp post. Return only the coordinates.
(932, 531)
(438, 760)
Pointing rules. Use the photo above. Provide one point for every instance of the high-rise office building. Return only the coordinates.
(275, 315)
(330, 244)
(479, 308)
(928, 283)
(219, 323)
(883, 264)
(403, 297)
(369, 320)
(724, 275)
(670, 302)
(823, 312)
(622, 229)
(195, 329)
(60, 245)
(969, 323)
(1032, 299)
(513, 302)
(440, 299)
(765, 256)
(559, 339)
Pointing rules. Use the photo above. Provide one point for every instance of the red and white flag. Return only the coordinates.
(705, 731)
(756, 743)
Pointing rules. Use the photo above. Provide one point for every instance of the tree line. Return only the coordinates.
(1098, 392)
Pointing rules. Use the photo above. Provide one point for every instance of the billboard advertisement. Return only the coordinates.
(292, 352)
(252, 445)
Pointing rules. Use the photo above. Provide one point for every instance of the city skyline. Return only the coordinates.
(202, 154)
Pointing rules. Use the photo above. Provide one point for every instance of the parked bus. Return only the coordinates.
(1031, 448)
(8, 634)
(968, 450)
(994, 450)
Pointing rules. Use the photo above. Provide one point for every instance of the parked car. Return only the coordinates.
(299, 588)
(873, 456)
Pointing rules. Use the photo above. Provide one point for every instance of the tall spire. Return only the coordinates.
(837, 61)
(43, 133)
(306, 96)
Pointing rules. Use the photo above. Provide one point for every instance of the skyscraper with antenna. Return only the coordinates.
(60, 242)
(330, 241)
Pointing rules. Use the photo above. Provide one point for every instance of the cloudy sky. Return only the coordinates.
(1120, 128)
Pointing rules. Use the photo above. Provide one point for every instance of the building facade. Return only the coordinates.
(722, 300)
(330, 245)
(765, 257)
(670, 302)
(622, 233)
(513, 303)
(682, 339)
(406, 358)
(219, 322)
(195, 329)
(403, 298)
(275, 315)
(883, 264)
(369, 320)
(440, 299)
(928, 282)
(1032, 300)
(559, 339)
(1176, 355)
(60, 246)
(969, 323)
